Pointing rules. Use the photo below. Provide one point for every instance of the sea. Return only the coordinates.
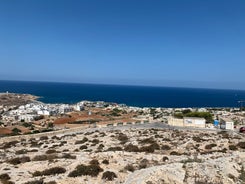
(138, 96)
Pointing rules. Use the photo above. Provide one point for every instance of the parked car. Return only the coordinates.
(242, 129)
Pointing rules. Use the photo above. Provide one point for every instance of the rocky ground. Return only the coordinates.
(130, 156)
(14, 99)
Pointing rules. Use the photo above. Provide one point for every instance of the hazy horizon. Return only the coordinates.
(125, 84)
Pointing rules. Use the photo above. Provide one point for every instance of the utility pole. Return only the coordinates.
(241, 102)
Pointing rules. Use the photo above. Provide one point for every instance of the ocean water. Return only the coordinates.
(140, 96)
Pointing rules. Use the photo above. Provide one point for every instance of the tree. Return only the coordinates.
(16, 131)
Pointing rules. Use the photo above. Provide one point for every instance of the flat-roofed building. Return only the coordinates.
(226, 123)
(187, 122)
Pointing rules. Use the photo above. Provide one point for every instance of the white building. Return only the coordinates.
(187, 122)
(226, 123)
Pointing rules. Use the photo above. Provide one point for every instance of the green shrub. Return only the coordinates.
(174, 153)
(83, 147)
(51, 151)
(85, 139)
(130, 168)
(18, 160)
(108, 175)
(210, 146)
(51, 182)
(241, 145)
(44, 157)
(43, 138)
(123, 138)
(4, 176)
(22, 151)
(143, 164)
(51, 171)
(117, 148)
(95, 141)
(105, 162)
(164, 159)
(131, 148)
(7, 182)
(150, 149)
(83, 170)
(9, 144)
(197, 139)
(100, 147)
(166, 147)
(35, 182)
(150, 140)
(94, 162)
(232, 147)
(68, 156)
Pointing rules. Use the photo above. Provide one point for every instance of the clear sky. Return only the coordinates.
(193, 43)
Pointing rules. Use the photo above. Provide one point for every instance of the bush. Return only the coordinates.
(242, 175)
(174, 153)
(43, 138)
(210, 146)
(131, 148)
(100, 147)
(35, 182)
(85, 139)
(224, 134)
(22, 151)
(143, 164)
(166, 147)
(94, 162)
(68, 156)
(117, 148)
(150, 140)
(123, 138)
(18, 160)
(130, 168)
(95, 141)
(51, 151)
(83, 170)
(164, 159)
(44, 157)
(83, 147)
(197, 139)
(108, 175)
(16, 131)
(105, 162)
(241, 145)
(7, 182)
(9, 144)
(4, 176)
(51, 171)
(51, 182)
(232, 147)
(150, 149)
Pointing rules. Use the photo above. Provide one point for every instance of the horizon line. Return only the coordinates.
(115, 84)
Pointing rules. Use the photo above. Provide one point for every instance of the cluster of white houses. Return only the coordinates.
(29, 112)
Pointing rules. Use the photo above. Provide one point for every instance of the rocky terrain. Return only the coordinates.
(14, 99)
(130, 156)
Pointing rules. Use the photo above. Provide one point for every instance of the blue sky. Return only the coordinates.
(190, 43)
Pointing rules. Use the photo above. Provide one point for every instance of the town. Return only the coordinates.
(26, 115)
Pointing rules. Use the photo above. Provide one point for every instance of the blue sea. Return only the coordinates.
(140, 96)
